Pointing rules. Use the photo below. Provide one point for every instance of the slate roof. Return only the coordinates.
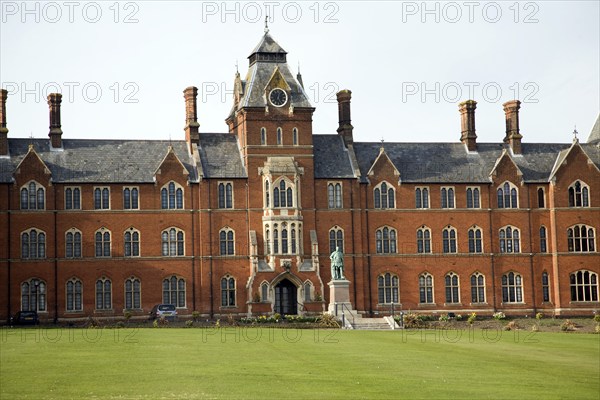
(594, 136)
(220, 156)
(267, 45)
(331, 157)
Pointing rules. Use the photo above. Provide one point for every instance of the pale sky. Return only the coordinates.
(122, 67)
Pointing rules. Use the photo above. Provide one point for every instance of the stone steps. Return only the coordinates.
(370, 324)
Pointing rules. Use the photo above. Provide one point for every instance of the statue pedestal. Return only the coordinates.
(339, 293)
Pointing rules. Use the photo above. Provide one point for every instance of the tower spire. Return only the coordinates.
(266, 24)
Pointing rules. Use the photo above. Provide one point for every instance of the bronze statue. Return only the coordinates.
(337, 265)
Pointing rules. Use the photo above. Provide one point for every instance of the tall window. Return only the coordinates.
(477, 288)
(425, 289)
(545, 287)
(72, 198)
(171, 197)
(584, 286)
(102, 238)
(267, 195)
(132, 243)
(264, 292)
(475, 243)
(512, 288)
(33, 295)
(580, 239)
(263, 136)
(295, 136)
(509, 240)
(226, 242)
(172, 242)
(73, 243)
(336, 239)
(334, 194)
(130, 198)
(507, 196)
(285, 238)
(103, 294)
(423, 240)
(473, 198)
(422, 197)
(74, 291)
(33, 196)
(579, 195)
(307, 292)
(133, 294)
(174, 291)
(387, 288)
(541, 198)
(449, 240)
(386, 240)
(33, 244)
(447, 197)
(227, 291)
(225, 195)
(279, 136)
(452, 288)
(543, 240)
(283, 195)
(101, 198)
(384, 196)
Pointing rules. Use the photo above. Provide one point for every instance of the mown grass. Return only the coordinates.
(259, 363)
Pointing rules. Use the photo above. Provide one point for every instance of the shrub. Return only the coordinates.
(597, 318)
(472, 318)
(511, 326)
(498, 316)
(444, 318)
(597, 329)
(567, 326)
(189, 323)
(93, 323)
(535, 328)
(328, 320)
(459, 317)
(539, 316)
(195, 315)
(413, 320)
(318, 296)
(127, 314)
(120, 324)
(155, 323)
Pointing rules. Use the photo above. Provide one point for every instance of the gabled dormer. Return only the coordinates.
(32, 167)
(171, 168)
(506, 168)
(383, 167)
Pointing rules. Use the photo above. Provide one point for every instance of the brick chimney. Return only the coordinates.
(54, 100)
(191, 116)
(467, 124)
(511, 114)
(345, 127)
(3, 128)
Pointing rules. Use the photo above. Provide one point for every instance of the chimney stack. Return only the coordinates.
(511, 114)
(54, 100)
(345, 127)
(3, 128)
(467, 124)
(191, 116)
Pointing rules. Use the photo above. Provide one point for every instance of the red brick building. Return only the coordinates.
(244, 221)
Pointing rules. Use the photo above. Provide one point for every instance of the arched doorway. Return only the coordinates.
(286, 301)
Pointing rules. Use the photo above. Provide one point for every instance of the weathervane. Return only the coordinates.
(382, 140)
(266, 24)
(237, 71)
(575, 133)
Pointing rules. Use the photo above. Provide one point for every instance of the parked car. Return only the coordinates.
(163, 310)
(25, 318)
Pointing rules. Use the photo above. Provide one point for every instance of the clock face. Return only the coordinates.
(278, 97)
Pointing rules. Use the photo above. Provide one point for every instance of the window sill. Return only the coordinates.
(478, 304)
(453, 304)
(427, 305)
(71, 312)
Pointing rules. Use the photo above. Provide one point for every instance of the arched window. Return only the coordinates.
(133, 294)
(33, 196)
(73, 243)
(264, 292)
(283, 194)
(101, 198)
(449, 240)
(267, 195)
(447, 197)
(425, 288)
(72, 198)
(507, 196)
(130, 198)
(74, 292)
(543, 240)
(475, 240)
(452, 288)
(422, 197)
(387, 288)
(172, 242)
(545, 287)
(584, 286)
(579, 195)
(473, 198)
(225, 195)
(263, 136)
(279, 136)
(307, 292)
(423, 240)
(512, 288)
(227, 291)
(102, 242)
(171, 196)
(336, 239)
(33, 244)
(334, 194)
(509, 240)
(132, 243)
(580, 239)
(295, 136)
(386, 240)
(384, 196)
(174, 291)
(541, 198)
(33, 295)
(103, 294)
(477, 288)
(226, 242)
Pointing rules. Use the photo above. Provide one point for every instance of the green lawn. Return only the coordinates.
(233, 363)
